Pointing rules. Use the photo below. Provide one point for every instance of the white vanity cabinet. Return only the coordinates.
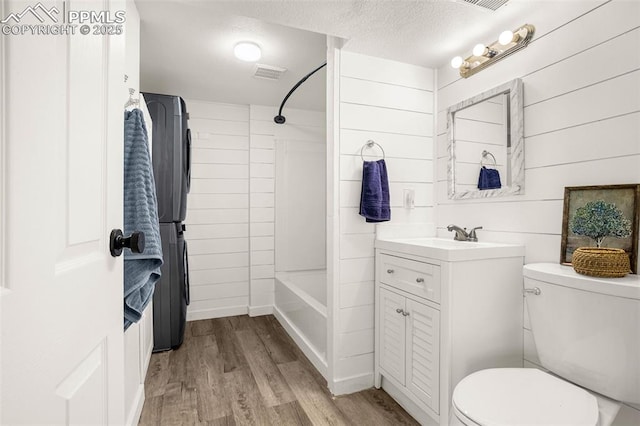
(444, 309)
(409, 345)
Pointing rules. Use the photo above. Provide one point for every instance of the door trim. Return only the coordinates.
(3, 168)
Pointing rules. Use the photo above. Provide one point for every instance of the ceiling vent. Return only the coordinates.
(487, 4)
(268, 72)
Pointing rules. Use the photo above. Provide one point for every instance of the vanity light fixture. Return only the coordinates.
(482, 50)
(484, 55)
(247, 51)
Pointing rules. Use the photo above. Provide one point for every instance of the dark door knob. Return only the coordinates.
(118, 241)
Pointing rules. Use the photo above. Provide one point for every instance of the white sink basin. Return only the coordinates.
(449, 249)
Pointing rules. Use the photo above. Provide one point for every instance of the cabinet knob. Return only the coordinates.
(400, 311)
(419, 280)
(405, 313)
(390, 271)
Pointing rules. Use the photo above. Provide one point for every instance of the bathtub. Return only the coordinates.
(301, 308)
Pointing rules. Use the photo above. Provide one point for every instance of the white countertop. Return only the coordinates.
(450, 250)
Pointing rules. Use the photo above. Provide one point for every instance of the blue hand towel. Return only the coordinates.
(489, 179)
(374, 199)
(141, 270)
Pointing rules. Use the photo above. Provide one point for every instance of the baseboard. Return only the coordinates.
(352, 384)
(216, 313)
(253, 311)
(316, 359)
(147, 361)
(405, 402)
(256, 311)
(136, 409)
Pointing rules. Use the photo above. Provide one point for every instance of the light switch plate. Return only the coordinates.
(409, 198)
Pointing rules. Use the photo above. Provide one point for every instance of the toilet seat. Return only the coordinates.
(522, 396)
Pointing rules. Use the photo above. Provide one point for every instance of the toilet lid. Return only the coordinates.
(523, 396)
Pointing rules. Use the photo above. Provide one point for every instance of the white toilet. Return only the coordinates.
(587, 332)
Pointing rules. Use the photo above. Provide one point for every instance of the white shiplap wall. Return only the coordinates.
(392, 104)
(262, 213)
(581, 75)
(231, 206)
(218, 210)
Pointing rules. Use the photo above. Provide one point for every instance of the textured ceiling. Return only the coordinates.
(187, 44)
(188, 51)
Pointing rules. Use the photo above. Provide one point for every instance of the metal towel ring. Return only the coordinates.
(370, 143)
(484, 156)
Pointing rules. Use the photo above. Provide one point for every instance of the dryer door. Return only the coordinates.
(185, 261)
(188, 160)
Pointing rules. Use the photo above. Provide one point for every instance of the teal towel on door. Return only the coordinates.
(141, 270)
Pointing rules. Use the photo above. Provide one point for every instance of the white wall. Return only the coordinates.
(231, 206)
(581, 75)
(218, 210)
(262, 217)
(138, 339)
(392, 104)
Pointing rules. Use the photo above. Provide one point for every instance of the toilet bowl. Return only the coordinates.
(585, 330)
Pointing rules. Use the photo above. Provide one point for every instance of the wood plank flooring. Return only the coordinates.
(240, 371)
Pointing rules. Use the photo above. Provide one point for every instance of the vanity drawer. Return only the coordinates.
(418, 278)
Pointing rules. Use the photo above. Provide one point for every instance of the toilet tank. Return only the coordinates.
(587, 329)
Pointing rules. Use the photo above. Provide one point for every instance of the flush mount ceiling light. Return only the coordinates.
(247, 51)
(485, 55)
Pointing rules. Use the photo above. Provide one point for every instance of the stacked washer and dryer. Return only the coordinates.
(171, 153)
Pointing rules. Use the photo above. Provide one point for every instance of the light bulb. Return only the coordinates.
(457, 62)
(505, 38)
(479, 49)
(247, 51)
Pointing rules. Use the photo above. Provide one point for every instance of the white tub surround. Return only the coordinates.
(301, 308)
(443, 310)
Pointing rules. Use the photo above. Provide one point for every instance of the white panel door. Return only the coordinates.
(392, 334)
(62, 300)
(423, 353)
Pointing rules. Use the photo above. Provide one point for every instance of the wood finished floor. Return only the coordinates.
(247, 371)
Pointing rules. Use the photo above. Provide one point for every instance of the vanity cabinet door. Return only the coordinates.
(423, 353)
(392, 334)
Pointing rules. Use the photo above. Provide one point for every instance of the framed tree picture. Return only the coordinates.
(601, 216)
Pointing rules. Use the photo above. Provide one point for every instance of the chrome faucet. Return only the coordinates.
(462, 235)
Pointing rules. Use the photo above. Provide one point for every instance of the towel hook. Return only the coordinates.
(485, 153)
(370, 144)
(132, 101)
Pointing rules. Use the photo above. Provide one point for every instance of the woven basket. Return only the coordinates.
(601, 262)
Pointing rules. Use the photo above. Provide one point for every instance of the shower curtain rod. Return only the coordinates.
(280, 118)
